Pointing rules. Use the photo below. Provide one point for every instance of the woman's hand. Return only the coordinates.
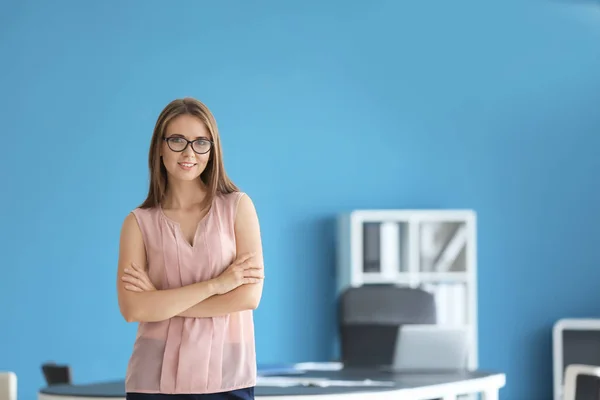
(136, 279)
(244, 270)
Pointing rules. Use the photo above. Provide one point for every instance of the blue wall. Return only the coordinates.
(324, 107)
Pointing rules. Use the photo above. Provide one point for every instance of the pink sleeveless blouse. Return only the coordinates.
(192, 355)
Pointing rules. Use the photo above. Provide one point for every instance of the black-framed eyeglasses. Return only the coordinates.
(179, 144)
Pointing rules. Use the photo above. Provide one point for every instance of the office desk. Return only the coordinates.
(403, 386)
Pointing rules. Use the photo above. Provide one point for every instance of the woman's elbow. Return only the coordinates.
(128, 316)
(253, 299)
(129, 313)
(252, 304)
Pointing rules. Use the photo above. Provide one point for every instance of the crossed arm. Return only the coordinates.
(197, 300)
(245, 297)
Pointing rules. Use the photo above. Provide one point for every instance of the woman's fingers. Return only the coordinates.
(251, 263)
(132, 272)
(136, 267)
(132, 280)
(254, 273)
(139, 283)
(137, 274)
(252, 280)
(133, 288)
(243, 258)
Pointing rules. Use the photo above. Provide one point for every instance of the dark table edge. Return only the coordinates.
(48, 390)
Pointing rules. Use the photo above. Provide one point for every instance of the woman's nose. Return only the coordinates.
(189, 151)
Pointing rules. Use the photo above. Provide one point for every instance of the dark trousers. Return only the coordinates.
(239, 394)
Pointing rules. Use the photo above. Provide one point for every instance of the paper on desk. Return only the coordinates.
(281, 381)
(319, 366)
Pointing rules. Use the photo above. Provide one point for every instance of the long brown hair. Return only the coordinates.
(213, 176)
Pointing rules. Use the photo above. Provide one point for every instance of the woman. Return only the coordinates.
(190, 268)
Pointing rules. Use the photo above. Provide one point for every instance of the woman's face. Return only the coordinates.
(188, 164)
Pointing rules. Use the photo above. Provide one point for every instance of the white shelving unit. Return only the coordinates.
(432, 249)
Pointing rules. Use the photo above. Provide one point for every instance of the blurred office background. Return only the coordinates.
(324, 107)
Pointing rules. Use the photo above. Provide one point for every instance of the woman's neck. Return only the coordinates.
(182, 195)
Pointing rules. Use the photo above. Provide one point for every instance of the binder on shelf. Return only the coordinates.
(371, 248)
(451, 303)
(390, 250)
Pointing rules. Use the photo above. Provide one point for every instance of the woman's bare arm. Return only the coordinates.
(245, 297)
(157, 305)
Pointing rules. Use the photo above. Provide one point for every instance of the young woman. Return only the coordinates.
(190, 268)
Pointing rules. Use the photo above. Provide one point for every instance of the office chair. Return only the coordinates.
(56, 374)
(576, 359)
(582, 382)
(370, 317)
